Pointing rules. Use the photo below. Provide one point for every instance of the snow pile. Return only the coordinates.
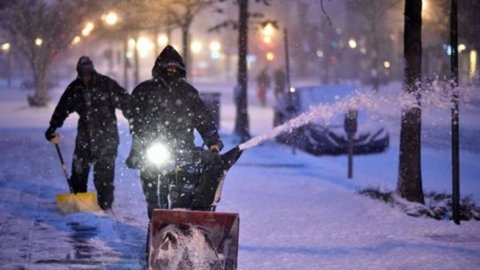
(437, 206)
(185, 247)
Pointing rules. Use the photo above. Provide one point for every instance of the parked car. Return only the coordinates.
(330, 138)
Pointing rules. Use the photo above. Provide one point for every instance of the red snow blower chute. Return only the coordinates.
(192, 235)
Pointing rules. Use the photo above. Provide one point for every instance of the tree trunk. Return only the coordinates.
(40, 97)
(185, 41)
(409, 184)
(241, 121)
(136, 63)
(125, 61)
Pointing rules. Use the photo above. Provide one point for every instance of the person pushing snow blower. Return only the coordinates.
(166, 111)
(94, 97)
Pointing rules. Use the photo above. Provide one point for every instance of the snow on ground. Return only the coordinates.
(296, 211)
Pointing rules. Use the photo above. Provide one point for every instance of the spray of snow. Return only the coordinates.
(434, 97)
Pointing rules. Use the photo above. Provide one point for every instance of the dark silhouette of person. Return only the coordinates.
(94, 97)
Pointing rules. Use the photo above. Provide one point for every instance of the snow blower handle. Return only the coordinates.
(55, 141)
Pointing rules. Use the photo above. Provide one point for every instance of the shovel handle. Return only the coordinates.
(64, 167)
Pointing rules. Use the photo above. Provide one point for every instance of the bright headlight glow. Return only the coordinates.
(158, 154)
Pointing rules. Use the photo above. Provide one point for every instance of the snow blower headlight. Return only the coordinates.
(158, 154)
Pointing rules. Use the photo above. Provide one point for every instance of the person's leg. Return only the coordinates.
(155, 190)
(103, 177)
(80, 170)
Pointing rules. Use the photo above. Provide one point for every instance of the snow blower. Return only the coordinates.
(191, 235)
(73, 202)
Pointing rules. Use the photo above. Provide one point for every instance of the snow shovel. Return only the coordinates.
(73, 202)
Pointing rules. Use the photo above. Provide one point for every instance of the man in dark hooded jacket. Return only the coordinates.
(94, 97)
(167, 110)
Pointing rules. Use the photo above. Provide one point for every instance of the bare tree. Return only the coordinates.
(409, 185)
(180, 14)
(40, 30)
(369, 19)
(241, 121)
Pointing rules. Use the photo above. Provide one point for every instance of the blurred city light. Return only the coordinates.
(162, 40)
(144, 46)
(424, 5)
(473, 63)
(352, 43)
(215, 46)
(88, 29)
(386, 64)
(268, 29)
(5, 47)
(215, 55)
(38, 42)
(320, 53)
(131, 43)
(270, 56)
(461, 47)
(76, 40)
(267, 39)
(196, 46)
(111, 18)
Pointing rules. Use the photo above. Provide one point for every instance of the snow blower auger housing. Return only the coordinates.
(73, 202)
(191, 235)
(183, 239)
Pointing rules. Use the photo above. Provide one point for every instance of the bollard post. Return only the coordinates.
(350, 125)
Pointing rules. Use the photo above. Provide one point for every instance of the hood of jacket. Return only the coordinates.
(85, 65)
(168, 57)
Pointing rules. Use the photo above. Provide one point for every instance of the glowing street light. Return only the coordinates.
(473, 63)
(88, 28)
(386, 64)
(352, 43)
(268, 29)
(270, 56)
(38, 42)
(111, 18)
(76, 40)
(5, 47)
(196, 46)
(144, 46)
(162, 40)
(215, 46)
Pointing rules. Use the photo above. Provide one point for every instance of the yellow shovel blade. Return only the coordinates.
(81, 202)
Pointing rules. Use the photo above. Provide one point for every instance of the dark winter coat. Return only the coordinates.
(95, 104)
(168, 111)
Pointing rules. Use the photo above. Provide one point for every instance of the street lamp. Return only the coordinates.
(88, 28)
(162, 40)
(111, 18)
(215, 46)
(5, 47)
(38, 42)
(352, 43)
(76, 40)
(196, 46)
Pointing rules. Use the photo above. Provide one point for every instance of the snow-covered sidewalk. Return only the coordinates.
(296, 211)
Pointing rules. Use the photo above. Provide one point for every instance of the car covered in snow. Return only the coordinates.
(329, 135)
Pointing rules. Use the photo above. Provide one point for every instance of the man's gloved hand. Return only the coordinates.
(214, 148)
(50, 133)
